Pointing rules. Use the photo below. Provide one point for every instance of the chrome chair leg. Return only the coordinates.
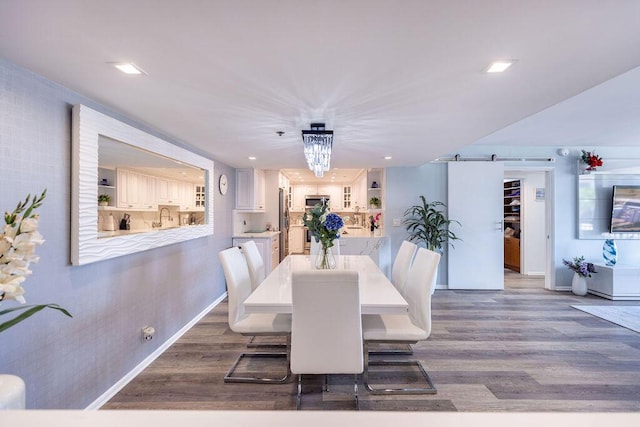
(252, 344)
(408, 351)
(326, 384)
(299, 396)
(229, 378)
(431, 389)
(355, 392)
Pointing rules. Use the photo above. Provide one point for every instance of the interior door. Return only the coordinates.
(475, 198)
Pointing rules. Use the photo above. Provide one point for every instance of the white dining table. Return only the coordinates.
(377, 293)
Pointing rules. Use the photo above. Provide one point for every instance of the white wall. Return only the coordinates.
(404, 185)
(68, 363)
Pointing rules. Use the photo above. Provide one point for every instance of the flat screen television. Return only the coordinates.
(625, 216)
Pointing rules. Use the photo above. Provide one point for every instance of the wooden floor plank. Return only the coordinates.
(521, 349)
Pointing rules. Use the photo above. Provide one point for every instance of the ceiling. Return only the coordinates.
(392, 78)
(113, 154)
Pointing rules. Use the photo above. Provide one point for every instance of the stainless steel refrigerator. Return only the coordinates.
(284, 223)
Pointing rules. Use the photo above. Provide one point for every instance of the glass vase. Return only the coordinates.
(325, 259)
(610, 252)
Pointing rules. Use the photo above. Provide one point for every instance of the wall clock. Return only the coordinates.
(222, 184)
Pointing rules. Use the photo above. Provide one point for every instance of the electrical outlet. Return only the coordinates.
(397, 222)
(147, 333)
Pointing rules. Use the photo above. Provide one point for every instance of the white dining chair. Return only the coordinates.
(257, 273)
(399, 272)
(326, 329)
(315, 247)
(405, 328)
(236, 273)
(401, 264)
(254, 262)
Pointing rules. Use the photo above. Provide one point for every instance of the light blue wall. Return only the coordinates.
(68, 363)
(405, 185)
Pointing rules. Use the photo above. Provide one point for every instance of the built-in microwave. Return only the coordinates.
(311, 201)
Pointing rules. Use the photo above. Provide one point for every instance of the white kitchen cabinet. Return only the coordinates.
(296, 240)
(298, 199)
(269, 248)
(168, 191)
(275, 253)
(347, 198)
(200, 195)
(283, 182)
(359, 190)
(135, 190)
(187, 196)
(147, 192)
(311, 190)
(334, 191)
(250, 190)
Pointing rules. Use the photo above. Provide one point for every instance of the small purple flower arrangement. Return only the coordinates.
(580, 266)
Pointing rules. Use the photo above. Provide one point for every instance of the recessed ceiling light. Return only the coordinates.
(251, 158)
(387, 157)
(500, 66)
(128, 68)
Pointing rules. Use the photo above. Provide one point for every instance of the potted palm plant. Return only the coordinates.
(428, 224)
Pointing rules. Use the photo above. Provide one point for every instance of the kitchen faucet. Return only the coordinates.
(168, 216)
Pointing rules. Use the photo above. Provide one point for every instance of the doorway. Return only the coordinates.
(536, 207)
(478, 204)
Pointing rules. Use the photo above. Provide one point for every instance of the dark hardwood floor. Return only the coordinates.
(521, 349)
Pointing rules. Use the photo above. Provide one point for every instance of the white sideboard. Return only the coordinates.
(619, 282)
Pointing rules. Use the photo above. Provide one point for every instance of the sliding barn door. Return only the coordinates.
(475, 198)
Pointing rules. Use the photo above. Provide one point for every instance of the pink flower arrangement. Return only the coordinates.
(375, 221)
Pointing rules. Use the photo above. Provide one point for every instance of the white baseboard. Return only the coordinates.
(114, 389)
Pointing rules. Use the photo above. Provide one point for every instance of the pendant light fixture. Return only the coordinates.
(317, 148)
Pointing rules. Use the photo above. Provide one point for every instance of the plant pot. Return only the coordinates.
(579, 285)
(103, 203)
(12, 392)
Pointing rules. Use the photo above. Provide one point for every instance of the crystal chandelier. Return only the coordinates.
(317, 148)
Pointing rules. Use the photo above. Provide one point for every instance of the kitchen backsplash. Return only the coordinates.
(139, 220)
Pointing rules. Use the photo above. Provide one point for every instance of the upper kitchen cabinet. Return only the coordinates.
(334, 191)
(359, 192)
(283, 181)
(250, 190)
(299, 195)
(135, 191)
(347, 200)
(168, 191)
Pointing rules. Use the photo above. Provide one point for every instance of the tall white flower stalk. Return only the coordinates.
(18, 243)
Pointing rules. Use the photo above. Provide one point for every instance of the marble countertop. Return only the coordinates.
(256, 235)
(359, 232)
(352, 232)
(102, 234)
